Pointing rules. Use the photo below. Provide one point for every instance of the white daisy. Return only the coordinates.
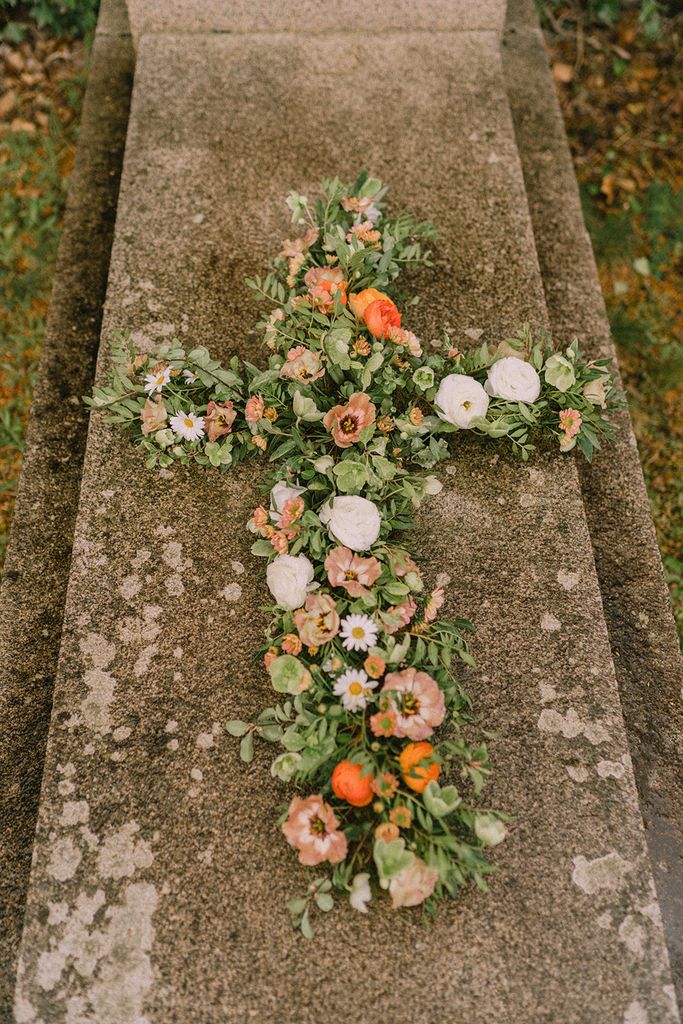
(188, 425)
(155, 381)
(354, 688)
(358, 632)
(189, 376)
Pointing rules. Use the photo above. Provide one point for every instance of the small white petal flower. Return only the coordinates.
(156, 381)
(189, 376)
(354, 688)
(360, 894)
(188, 425)
(358, 632)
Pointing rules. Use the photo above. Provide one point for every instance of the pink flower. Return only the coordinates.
(219, 419)
(400, 336)
(345, 422)
(321, 275)
(318, 621)
(259, 519)
(253, 410)
(260, 442)
(291, 644)
(435, 602)
(293, 510)
(417, 701)
(291, 249)
(570, 421)
(270, 656)
(153, 415)
(280, 542)
(398, 615)
(312, 828)
(302, 364)
(383, 723)
(348, 570)
(413, 885)
(364, 232)
(401, 563)
(361, 206)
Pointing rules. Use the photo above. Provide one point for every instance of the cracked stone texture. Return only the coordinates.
(635, 596)
(158, 645)
(37, 566)
(308, 17)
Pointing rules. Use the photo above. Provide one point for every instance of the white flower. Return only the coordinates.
(460, 399)
(189, 376)
(360, 892)
(358, 632)
(188, 425)
(354, 688)
(353, 521)
(155, 381)
(514, 380)
(280, 494)
(489, 830)
(289, 579)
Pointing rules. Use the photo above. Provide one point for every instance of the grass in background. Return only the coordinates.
(621, 88)
(40, 96)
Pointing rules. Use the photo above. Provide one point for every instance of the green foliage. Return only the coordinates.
(61, 17)
(609, 11)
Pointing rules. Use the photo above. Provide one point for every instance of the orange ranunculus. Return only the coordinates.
(359, 301)
(416, 775)
(348, 784)
(380, 316)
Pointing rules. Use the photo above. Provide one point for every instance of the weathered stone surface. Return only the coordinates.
(37, 565)
(311, 18)
(634, 592)
(159, 872)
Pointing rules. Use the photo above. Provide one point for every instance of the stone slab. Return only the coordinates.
(159, 873)
(39, 553)
(311, 18)
(635, 596)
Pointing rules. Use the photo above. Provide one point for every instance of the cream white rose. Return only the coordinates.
(460, 399)
(514, 380)
(281, 493)
(289, 580)
(353, 521)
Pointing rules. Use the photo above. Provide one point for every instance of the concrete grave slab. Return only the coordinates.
(159, 873)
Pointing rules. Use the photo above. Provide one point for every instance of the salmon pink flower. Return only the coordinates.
(291, 644)
(259, 520)
(387, 832)
(253, 410)
(383, 723)
(345, 422)
(270, 656)
(385, 785)
(570, 422)
(348, 570)
(374, 666)
(318, 621)
(292, 511)
(325, 275)
(153, 416)
(401, 816)
(380, 316)
(413, 885)
(312, 828)
(299, 245)
(219, 419)
(364, 232)
(280, 542)
(302, 364)
(362, 206)
(417, 702)
(399, 336)
(398, 616)
(435, 602)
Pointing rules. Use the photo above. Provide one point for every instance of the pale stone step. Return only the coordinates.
(36, 569)
(310, 18)
(636, 599)
(159, 872)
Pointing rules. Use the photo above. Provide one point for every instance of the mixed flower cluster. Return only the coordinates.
(353, 415)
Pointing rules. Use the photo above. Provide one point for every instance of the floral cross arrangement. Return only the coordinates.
(354, 416)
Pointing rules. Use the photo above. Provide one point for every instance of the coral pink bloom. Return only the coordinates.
(417, 702)
(399, 336)
(291, 249)
(401, 563)
(324, 275)
(383, 723)
(253, 410)
(345, 422)
(259, 519)
(348, 570)
(280, 542)
(312, 828)
(153, 415)
(398, 615)
(302, 364)
(413, 885)
(219, 419)
(293, 509)
(570, 421)
(380, 316)
(291, 644)
(435, 602)
(364, 232)
(318, 621)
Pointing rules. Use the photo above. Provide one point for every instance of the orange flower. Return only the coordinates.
(385, 785)
(401, 816)
(418, 775)
(345, 422)
(380, 316)
(359, 301)
(383, 723)
(416, 416)
(291, 644)
(387, 831)
(374, 666)
(349, 784)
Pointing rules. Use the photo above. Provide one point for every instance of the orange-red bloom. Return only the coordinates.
(348, 783)
(380, 316)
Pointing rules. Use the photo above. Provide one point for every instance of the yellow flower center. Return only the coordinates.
(160, 379)
(358, 632)
(188, 422)
(355, 689)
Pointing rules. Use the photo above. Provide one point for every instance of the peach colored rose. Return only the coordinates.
(348, 570)
(219, 419)
(304, 365)
(413, 885)
(345, 422)
(318, 621)
(380, 315)
(417, 702)
(253, 410)
(153, 415)
(359, 301)
(312, 828)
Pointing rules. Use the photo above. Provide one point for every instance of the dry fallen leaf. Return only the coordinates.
(562, 72)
